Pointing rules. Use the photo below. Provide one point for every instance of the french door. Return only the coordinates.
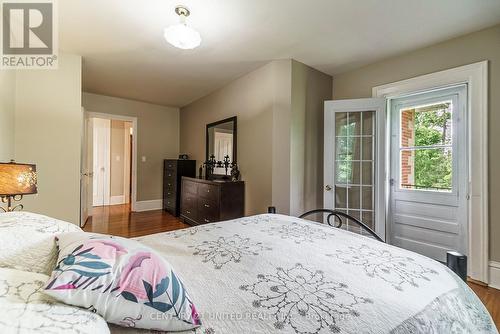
(429, 172)
(353, 180)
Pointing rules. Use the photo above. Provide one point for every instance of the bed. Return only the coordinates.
(279, 274)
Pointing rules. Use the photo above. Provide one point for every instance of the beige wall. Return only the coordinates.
(157, 137)
(7, 114)
(251, 99)
(310, 89)
(279, 108)
(482, 45)
(48, 125)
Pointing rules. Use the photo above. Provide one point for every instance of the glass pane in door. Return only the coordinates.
(354, 165)
(426, 147)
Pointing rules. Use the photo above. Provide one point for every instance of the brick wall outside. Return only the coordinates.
(407, 139)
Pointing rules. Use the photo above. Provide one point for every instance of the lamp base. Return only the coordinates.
(9, 200)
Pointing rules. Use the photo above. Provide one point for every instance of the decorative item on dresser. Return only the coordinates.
(173, 170)
(207, 201)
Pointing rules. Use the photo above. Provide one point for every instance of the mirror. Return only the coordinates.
(221, 142)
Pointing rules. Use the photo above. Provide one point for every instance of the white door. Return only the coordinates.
(101, 143)
(353, 181)
(87, 171)
(429, 176)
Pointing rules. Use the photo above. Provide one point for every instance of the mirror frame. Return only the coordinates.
(235, 136)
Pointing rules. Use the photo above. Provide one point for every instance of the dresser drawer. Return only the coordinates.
(190, 187)
(169, 201)
(171, 165)
(189, 201)
(207, 208)
(169, 193)
(170, 176)
(170, 185)
(208, 191)
(189, 212)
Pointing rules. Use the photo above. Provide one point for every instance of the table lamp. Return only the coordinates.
(16, 180)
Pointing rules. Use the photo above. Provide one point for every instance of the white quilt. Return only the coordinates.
(27, 241)
(25, 309)
(278, 274)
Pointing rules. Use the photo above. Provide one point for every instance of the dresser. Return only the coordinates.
(204, 201)
(173, 171)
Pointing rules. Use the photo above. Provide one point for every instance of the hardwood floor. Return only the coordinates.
(118, 220)
(490, 298)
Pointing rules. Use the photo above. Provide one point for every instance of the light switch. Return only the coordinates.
(143, 158)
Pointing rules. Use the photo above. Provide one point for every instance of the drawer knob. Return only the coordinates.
(207, 205)
(169, 193)
(208, 190)
(169, 174)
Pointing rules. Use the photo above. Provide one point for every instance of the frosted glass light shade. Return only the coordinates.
(182, 36)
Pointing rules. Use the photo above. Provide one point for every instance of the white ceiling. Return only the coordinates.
(125, 54)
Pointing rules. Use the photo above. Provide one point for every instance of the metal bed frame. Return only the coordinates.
(456, 261)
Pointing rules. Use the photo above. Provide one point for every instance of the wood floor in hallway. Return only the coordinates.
(118, 220)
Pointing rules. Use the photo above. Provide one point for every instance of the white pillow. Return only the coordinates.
(27, 241)
(25, 309)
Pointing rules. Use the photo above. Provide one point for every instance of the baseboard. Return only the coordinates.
(148, 205)
(495, 274)
(115, 200)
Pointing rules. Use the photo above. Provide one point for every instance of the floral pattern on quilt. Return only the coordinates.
(194, 230)
(298, 233)
(294, 288)
(397, 270)
(125, 282)
(25, 309)
(296, 293)
(224, 250)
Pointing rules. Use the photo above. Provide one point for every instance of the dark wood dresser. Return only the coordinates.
(173, 171)
(205, 201)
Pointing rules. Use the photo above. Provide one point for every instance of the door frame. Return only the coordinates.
(133, 120)
(368, 104)
(476, 77)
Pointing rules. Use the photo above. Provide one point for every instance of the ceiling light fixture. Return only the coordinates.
(181, 35)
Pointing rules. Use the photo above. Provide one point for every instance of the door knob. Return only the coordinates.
(328, 187)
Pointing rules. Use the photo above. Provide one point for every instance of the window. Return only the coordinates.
(354, 164)
(426, 147)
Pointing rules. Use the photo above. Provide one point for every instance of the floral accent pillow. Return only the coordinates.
(125, 282)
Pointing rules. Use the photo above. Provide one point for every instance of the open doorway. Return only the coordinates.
(108, 164)
(112, 141)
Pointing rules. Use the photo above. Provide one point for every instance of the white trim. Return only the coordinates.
(115, 200)
(377, 105)
(148, 205)
(134, 149)
(494, 274)
(476, 77)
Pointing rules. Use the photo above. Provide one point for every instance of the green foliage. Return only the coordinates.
(433, 167)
